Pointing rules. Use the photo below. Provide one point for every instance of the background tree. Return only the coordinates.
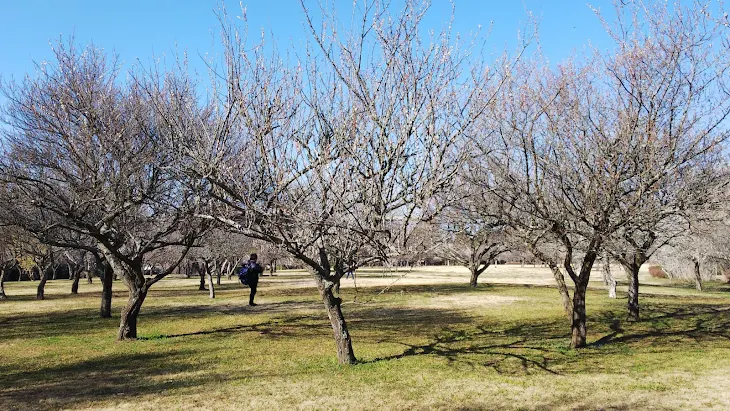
(665, 81)
(83, 148)
(477, 234)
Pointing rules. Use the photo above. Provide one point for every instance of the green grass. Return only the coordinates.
(427, 346)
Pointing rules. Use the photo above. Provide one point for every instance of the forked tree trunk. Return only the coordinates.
(698, 277)
(107, 280)
(343, 341)
(474, 277)
(578, 325)
(130, 312)
(632, 272)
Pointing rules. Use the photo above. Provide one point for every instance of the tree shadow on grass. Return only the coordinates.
(526, 347)
(698, 323)
(71, 322)
(120, 376)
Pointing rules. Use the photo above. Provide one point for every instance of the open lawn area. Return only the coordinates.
(425, 341)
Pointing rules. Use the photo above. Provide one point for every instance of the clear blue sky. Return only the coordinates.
(140, 29)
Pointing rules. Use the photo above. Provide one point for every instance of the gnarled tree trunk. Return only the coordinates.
(632, 272)
(343, 341)
(130, 312)
(76, 278)
(476, 270)
(474, 277)
(578, 324)
(41, 290)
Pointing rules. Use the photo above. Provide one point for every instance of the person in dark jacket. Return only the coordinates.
(254, 269)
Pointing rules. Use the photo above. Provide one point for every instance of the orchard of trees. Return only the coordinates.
(380, 141)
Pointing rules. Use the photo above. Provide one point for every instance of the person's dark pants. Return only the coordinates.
(253, 292)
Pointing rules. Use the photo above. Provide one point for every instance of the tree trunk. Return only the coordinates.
(209, 273)
(698, 277)
(218, 273)
(632, 272)
(76, 278)
(608, 279)
(474, 276)
(3, 272)
(128, 323)
(40, 292)
(107, 279)
(343, 341)
(563, 290)
(201, 273)
(578, 325)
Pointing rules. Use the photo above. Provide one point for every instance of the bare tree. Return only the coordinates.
(476, 233)
(338, 159)
(76, 261)
(613, 150)
(668, 109)
(700, 252)
(83, 149)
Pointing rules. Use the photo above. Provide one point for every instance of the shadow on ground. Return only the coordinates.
(119, 377)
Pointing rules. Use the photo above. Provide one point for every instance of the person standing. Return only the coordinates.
(252, 273)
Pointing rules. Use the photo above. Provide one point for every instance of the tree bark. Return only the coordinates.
(563, 290)
(41, 290)
(106, 274)
(107, 280)
(201, 274)
(209, 272)
(3, 273)
(343, 341)
(128, 323)
(632, 272)
(474, 277)
(608, 279)
(578, 325)
(698, 277)
(76, 279)
(476, 270)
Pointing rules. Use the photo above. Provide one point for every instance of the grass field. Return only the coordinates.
(427, 342)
